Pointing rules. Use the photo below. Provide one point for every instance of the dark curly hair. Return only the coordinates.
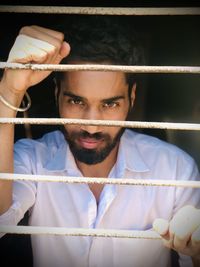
(103, 39)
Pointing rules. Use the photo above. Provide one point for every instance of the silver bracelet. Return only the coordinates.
(5, 102)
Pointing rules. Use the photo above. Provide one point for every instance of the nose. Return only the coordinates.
(92, 114)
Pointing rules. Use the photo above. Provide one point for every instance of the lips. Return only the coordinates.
(89, 143)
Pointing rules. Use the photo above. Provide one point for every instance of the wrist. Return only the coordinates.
(9, 87)
(11, 97)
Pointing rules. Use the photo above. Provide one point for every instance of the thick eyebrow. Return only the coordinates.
(112, 99)
(65, 93)
(106, 100)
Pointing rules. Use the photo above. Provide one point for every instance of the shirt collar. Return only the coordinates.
(129, 157)
(62, 160)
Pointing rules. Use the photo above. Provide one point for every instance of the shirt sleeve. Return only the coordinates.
(23, 191)
(187, 170)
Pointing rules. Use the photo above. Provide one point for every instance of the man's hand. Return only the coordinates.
(33, 45)
(38, 45)
(182, 233)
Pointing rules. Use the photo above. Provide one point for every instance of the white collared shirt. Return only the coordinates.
(120, 207)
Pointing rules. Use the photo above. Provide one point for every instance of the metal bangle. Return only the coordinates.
(5, 102)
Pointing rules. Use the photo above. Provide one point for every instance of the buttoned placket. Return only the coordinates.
(107, 196)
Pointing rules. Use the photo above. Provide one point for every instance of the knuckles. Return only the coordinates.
(60, 36)
(55, 38)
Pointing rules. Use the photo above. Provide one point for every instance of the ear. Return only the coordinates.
(56, 92)
(56, 95)
(133, 94)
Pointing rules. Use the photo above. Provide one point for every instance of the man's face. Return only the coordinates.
(94, 95)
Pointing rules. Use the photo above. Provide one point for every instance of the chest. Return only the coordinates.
(96, 190)
(120, 207)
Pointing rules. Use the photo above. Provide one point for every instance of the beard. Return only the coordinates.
(91, 156)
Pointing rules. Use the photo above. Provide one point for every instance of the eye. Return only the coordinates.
(111, 104)
(74, 101)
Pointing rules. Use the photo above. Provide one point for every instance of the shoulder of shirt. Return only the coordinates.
(54, 138)
(146, 144)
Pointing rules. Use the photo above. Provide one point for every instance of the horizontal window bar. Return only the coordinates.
(128, 11)
(102, 67)
(109, 123)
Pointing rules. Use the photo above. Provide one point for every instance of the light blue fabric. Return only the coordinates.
(120, 207)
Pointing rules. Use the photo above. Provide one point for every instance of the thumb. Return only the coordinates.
(161, 226)
(64, 50)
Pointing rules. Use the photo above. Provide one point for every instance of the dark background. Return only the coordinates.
(168, 40)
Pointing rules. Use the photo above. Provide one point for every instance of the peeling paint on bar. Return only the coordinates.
(101, 67)
(38, 230)
(129, 11)
(109, 123)
(99, 180)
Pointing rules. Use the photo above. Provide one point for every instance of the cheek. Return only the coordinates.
(72, 128)
(112, 131)
(123, 111)
(116, 114)
(121, 116)
(66, 112)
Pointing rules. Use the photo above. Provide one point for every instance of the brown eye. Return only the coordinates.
(110, 104)
(76, 102)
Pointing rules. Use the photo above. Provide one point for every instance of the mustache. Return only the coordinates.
(85, 134)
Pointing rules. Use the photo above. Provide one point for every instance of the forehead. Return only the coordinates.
(99, 83)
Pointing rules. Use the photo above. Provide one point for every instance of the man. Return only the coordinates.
(94, 151)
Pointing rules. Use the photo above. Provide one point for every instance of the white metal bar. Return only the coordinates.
(102, 67)
(128, 11)
(38, 230)
(109, 123)
(102, 180)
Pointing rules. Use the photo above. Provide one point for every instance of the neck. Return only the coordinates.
(101, 169)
